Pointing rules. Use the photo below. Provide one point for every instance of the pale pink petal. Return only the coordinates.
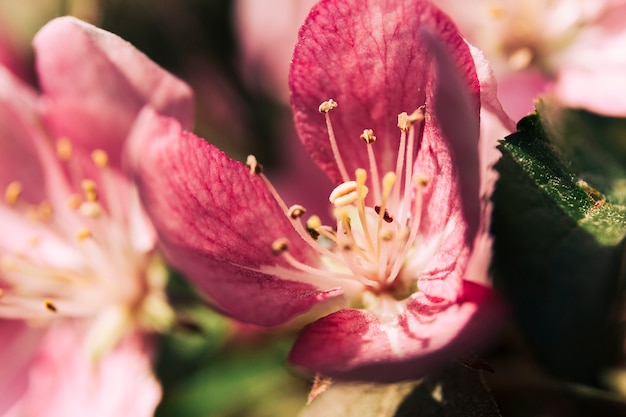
(18, 128)
(374, 60)
(64, 381)
(591, 71)
(217, 223)
(96, 83)
(357, 345)
(19, 343)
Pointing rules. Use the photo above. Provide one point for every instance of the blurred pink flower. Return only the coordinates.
(82, 286)
(389, 288)
(574, 49)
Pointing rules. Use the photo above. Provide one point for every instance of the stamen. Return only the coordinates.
(296, 211)
(344, 194)
(361, 178)
(43, 211)
(89, 187)
(90, 209)
(74, 201)
(313, 225)
(325, 108)
(100, 158)
(255, 167)
(369, 138)
(64, 149)
(405, 121)
(83, 234)
(12, 192)
(279, 246)
(50, 306)
(388, 182)
(386, 216)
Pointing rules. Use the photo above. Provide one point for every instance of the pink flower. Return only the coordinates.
(387, 288)
(81, 284)
(576, 50)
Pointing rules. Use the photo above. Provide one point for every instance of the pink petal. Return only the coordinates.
(96, 83)
(356, 345)
(18, 129)
(374, 59)
(63, 381)
(217, 223)
(19, 343)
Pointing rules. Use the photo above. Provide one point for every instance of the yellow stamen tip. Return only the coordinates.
(64, 149)
(279, 246)
(90, 189)
(389, 180)
(100, 158)
(296, 211)
(74, 201)
(313, 223)
(83, 234)
(327, 106)
(44, 211)
(90, 209)
(405, 120)
(368, 136)
(253, 164)
(13, 192)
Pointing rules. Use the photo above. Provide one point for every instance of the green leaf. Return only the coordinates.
(558, 246)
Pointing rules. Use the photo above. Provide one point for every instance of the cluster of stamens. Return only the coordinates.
(35, 284)
(370, 241)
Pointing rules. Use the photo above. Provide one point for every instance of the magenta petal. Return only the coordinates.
(373, 58)
(217, 223)
(357, 345)
(96, 84)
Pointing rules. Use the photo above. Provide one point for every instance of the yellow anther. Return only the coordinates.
(90, 209)
(83, 234)
(296, 211)
(497, 12)
(279, 246)
(74, 201)
(90, 189)
(387, 235)
(368, 136)
(12, 193)
(328, 105)
(388, 181)
(64, 149)
(44, 211)
(344, 194)
(50, 306)
(253, 164)
(100, 158)
(405, 121)
(313, 223)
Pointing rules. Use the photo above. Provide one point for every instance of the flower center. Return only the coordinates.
(74, 256)
(375, 230)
